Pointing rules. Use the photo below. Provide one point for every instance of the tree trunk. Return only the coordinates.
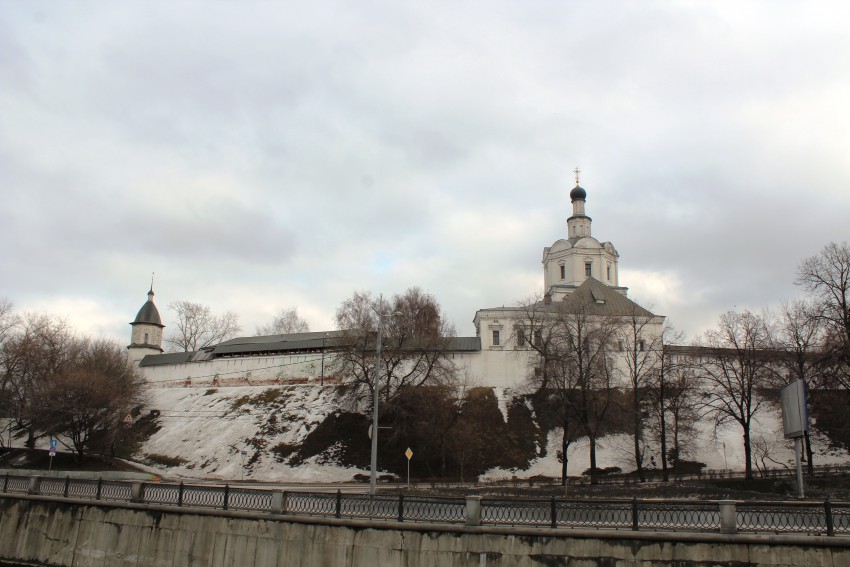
(565, 445)
(442, 456)
(664, 471)
(594, 476)
(748, 455)
(637, 436)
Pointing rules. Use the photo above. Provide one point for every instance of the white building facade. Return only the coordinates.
(579, 273)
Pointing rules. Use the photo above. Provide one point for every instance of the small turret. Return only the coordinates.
(146, 336)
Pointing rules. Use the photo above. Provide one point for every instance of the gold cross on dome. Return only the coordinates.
(577, 171)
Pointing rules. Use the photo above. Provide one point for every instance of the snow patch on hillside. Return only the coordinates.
(210, 428)
(719, 450)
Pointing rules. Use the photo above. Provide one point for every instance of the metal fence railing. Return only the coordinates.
(653, 475)
(821, 518)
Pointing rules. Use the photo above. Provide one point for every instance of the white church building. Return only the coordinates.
(579, 273)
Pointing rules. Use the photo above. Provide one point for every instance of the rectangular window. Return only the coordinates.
(587, 269)
(538, 337)
(520, 336)
(563, 272)
(496, 338)
(620, 346)
(642, 345)
(609, 272)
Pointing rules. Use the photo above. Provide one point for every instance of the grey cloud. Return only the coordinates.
(240, 142)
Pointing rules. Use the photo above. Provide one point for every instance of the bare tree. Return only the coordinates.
(736, 365)
(286, 322)
(640, 342)
(8, 319)
(659, 387)
(571, 367)
(429, 415)
(8, 322)
(39, 348)
(680, 403)
(87, 397)
(415, 341)
(537, 330)
(197, 327)
(827, 277)
(799, 334)
(764, 450)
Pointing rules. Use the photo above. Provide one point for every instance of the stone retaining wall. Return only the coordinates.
(43, 531)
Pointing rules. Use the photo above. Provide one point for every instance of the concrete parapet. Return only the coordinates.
(85, 533)
(728, 517)
(137, 492)
(473, 510)
(278, 502)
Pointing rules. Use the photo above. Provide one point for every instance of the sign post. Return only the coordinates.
(242, 454)
(795, 421)
(52, 453)
(409, 455)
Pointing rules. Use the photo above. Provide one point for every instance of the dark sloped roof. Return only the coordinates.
(284, 338)
(278, 344)
(170, 358)
(463, 344)
(272, 346)
(592, 297)
(595, 298)
(148, 314)
(317, 341)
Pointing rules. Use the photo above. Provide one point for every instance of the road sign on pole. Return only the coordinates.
(409, 455)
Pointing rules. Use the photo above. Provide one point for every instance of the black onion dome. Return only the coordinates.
(578, 193)
(149, 314)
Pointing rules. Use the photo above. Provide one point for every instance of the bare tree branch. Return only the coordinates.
(286, 322)
(197, 327)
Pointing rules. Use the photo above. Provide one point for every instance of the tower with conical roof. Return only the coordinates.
(146, 336)
(579, 256)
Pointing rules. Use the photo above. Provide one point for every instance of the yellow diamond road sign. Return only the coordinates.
(408, 454)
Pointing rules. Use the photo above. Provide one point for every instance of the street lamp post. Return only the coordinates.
(376, 382)
(322, 379)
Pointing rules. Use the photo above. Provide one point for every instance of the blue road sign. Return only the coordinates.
(53, 442)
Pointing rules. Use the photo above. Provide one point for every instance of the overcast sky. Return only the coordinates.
(260, 155)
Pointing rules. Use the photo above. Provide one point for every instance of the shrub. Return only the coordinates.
(689, 467)
(600, 472)
(164, 460)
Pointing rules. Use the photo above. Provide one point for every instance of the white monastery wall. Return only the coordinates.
(241, 370)
(501, 362)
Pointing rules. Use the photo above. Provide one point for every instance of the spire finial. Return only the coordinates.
(152, 276)
(577, 171)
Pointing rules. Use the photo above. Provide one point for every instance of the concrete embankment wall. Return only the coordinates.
(39, 531)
